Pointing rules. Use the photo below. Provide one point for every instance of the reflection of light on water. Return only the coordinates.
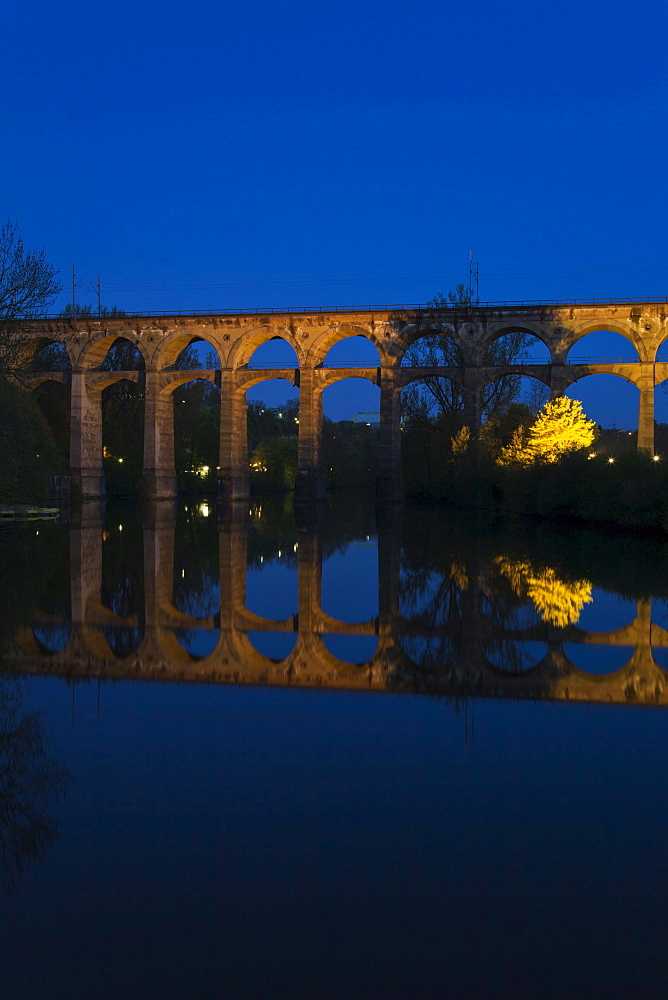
(557, 601)
(204, 509)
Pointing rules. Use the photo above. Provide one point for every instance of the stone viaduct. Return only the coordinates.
(394, 667)
(234, 337)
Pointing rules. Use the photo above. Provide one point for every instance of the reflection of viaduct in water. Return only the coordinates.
(234, 338)
(160, 655)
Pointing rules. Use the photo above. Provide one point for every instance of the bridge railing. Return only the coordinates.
(396, 307)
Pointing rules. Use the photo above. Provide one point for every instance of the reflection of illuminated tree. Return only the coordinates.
(29, 779)
(557, 601)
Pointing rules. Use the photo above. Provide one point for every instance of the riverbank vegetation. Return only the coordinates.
(629, 489)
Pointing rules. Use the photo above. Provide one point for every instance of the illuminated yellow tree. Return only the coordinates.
(559, 428)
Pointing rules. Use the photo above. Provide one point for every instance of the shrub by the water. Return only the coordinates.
(631, 491)
(28, 453)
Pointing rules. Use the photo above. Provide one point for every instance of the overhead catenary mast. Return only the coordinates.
(473, 279)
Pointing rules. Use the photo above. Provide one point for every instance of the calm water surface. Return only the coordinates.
(355, 753)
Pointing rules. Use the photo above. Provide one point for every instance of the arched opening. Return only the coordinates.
(196, 577)
(274, 353)
(273, 433)
(613, 403)
(661, 419)
(351, 420)
(196, 409)
(188, 354)
(197, 642)
(428, 652)
(505, 602)
(432, 349)
(516, 347)
(602, 347)
(276, 646)
(271, 570)
(597, 659)
(122, 418)
(661, 405)
(606, 612)
(508, 403)
(122, 590)
(431, 416)
(123, 436)
(123, 356)
(514, 656)
(350, 582)
(354, 649)
(52, 639)
(659, 617)
(354, 351)
(431, 581)
(49, 356)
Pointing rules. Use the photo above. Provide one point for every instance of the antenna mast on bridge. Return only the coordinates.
(473, 278)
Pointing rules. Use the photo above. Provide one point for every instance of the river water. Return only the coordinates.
(337, 752)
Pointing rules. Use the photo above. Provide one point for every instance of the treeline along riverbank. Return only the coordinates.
(627, 491)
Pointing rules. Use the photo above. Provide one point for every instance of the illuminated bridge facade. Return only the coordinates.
(234, 337)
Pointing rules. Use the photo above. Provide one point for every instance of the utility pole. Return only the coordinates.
(73, 285)
(99, 296)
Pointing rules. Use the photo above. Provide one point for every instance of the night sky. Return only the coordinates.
(262, 154)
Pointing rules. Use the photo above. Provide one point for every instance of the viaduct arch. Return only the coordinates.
(234, 337)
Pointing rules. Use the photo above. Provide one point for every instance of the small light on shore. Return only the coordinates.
(656, 458)
(610, 461)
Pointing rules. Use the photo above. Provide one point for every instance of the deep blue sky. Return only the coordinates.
(215, 155)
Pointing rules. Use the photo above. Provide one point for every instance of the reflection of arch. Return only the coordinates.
(322, 344)
(278, 646)
(198, 643)
(341, 643)
(52, 639)
(243, 350)
(123, 641)
(515, 656)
